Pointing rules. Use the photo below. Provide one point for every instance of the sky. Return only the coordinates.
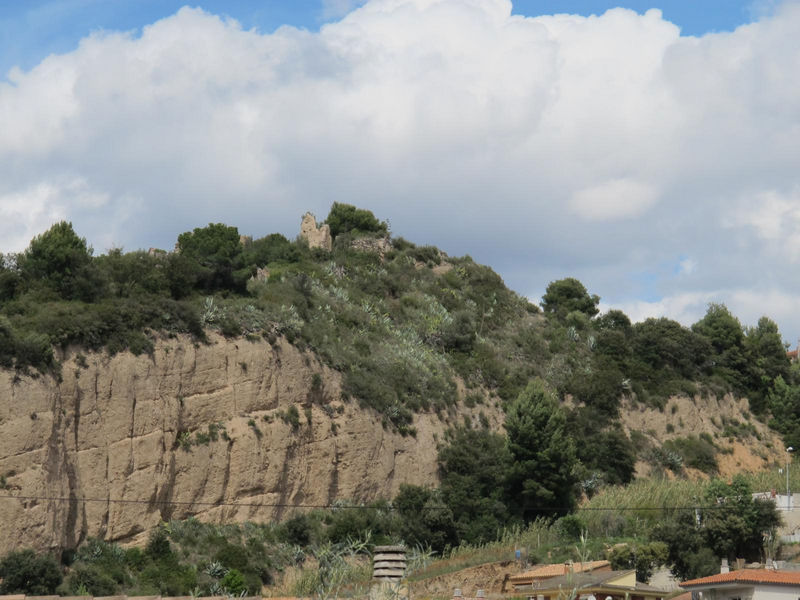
(649, 149)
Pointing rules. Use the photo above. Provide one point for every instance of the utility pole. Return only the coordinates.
(789, 451)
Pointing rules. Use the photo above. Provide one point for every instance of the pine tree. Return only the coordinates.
(541, 479)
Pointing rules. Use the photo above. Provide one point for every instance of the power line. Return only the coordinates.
(173, 502)
(200, 503)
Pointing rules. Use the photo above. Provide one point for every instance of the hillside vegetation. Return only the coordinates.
(401, 326)
(411, 329)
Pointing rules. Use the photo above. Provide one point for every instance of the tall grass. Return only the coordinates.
(539, 533)
(631, 510)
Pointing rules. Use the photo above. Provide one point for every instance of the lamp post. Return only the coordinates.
(789, 451)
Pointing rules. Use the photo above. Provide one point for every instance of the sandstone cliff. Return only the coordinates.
(113, 449)
(757, 449)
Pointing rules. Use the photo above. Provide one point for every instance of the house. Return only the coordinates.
(793, 354)
(746, 584)
(542, 572)
(592, 585)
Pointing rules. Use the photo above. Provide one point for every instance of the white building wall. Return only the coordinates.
(776, 592)
(727, 593)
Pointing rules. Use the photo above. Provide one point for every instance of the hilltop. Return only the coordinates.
(275, 373)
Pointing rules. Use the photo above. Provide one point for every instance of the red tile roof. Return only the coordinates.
(547, 571)
(748, 576)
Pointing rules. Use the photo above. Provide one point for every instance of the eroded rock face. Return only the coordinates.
(125, 428)
(377, 245)
(317, 237)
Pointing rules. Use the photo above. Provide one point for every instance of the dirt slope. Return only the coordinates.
(683, 417)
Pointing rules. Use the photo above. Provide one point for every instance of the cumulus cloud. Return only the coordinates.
(26, 213)
(749, 305)
(555, 146)
(686, 308)
(774, 217)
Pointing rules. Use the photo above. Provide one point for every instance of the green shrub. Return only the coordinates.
(291, 416)
(158, 546)
(229, 327)
(696, 452)
(24, 572)
(168, 578)
(570, 527)
(233, 583)
(232, 557)
(426, 254)
(90, 579)
(298, 530)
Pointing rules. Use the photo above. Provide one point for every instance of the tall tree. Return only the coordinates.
(726, 335)
(472, 467)
(426, 519)
(567, 295)
(346, 218)
(61, 261)
(737, 526)
(664, 344)
(216, 253)
(783, 401)
(687, 553)
(542, 479)
(767, 360)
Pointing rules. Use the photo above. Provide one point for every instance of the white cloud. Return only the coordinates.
(687, 266)
(686, 308)
(613, 199)
(547, 147)
(774, 217)
(26, 213)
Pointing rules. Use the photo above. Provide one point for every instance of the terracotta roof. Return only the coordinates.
(592, 581)
(748, 576)
(580, 580)
(556, 570)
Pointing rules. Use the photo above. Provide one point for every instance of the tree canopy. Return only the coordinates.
(541, 479)
(473, 466)
(215, 254)
(61, 261)
(24, 572)
(568, 295)
(346, 218)
(737, 529)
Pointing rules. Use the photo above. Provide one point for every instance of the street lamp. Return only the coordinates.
(789, 451)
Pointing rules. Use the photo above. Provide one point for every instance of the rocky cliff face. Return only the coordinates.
(755, 448)
(124, 442)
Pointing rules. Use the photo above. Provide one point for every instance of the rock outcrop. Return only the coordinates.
(685, 417)
(377, 245)
(317, 237)
(123, 443)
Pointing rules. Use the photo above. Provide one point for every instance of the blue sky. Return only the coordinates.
(32, 29)
(652, 156)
